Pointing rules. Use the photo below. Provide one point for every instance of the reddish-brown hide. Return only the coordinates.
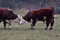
(38, 15)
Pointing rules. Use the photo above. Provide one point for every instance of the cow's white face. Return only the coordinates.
(20, 20)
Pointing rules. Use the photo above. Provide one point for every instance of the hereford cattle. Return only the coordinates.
(6, 15)
(38, 15)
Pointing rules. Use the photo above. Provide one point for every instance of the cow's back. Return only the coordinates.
(39, 14)
(42, 12)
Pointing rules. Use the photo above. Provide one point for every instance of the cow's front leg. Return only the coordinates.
(47, 24)
(4, 22)
(33, 24)
(52, 22)
(8, 22)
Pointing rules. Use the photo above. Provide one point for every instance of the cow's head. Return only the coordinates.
(20, 20)
(27, 17)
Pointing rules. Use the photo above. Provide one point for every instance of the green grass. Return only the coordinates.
(23, 32)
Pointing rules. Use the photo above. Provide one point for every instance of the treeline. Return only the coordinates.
(32, 4)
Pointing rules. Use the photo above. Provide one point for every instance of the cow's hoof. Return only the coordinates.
(45, 28)
(50, 29)
(33, 28)
(9, 24)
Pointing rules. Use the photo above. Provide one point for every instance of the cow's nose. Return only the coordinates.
(20, 23)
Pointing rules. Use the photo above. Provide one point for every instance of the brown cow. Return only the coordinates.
(38, 15)
(6, 15)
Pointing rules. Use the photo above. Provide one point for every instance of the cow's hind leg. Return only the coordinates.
(33, 24)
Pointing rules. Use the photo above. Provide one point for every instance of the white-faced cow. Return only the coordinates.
(6, 15)
(38, 15)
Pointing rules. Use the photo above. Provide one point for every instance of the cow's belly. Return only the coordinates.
(40, 18)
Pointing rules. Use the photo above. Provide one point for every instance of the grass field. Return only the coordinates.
(23, 32)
